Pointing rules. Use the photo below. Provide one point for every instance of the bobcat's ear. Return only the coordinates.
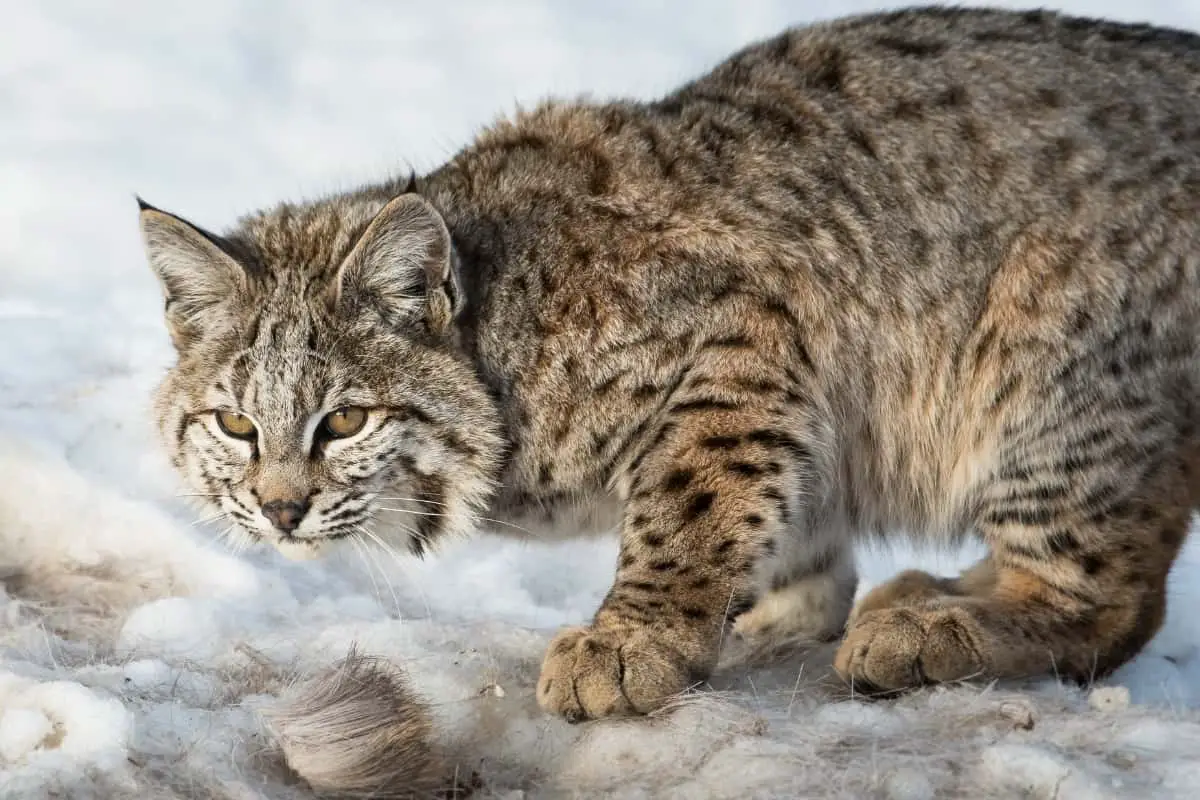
(197, 277)
(401, 266)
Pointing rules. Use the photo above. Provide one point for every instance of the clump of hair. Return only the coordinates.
(356, 729)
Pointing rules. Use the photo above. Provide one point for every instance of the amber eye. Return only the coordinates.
(236, 425)
(346, 421)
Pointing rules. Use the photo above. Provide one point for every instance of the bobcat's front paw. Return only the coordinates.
(590, 673)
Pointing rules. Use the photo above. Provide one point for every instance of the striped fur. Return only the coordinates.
(933, 271)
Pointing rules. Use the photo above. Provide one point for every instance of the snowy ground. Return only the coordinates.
(135, 653)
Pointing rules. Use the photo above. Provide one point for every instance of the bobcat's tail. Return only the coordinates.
(356, 729)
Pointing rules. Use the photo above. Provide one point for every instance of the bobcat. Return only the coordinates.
(935, 270)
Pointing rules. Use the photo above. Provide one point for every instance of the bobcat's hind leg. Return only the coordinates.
(912, 587)
(807, 598)
(1074, 589)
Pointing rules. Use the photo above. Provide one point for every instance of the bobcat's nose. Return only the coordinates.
(286, 514)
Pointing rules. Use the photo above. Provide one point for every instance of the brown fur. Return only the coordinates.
(935, 270)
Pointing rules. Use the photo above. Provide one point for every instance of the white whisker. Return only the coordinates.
(397, 560)
(383, 574)
(505, 523)
(212, 518)
(361, 550)
(410, 530)
(234, 539)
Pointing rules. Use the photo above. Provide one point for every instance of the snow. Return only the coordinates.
(49, 727)
(136, 652)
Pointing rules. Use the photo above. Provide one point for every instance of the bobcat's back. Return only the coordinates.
(912, 192)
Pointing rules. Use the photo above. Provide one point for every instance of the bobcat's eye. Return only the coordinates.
(236, 425)
(345, 421)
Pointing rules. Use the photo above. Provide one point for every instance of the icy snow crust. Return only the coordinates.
(136, 652)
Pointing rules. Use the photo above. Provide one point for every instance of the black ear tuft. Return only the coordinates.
(411, 186)
(198, 277)
(400, 264)
(142, 204)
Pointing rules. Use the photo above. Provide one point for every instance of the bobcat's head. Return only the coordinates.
(319, 391)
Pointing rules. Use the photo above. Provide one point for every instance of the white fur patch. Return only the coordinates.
(294, 550)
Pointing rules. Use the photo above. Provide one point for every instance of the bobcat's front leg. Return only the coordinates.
(708, 499)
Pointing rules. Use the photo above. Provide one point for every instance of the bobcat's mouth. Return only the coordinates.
(309, 535)
(397, 523)
(313, 544)
(306, 547)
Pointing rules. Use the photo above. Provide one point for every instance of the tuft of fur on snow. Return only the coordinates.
(81, 603)
(356, 729)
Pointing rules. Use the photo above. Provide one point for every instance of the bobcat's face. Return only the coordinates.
(318, 395)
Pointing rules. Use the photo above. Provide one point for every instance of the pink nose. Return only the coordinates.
(285, 514)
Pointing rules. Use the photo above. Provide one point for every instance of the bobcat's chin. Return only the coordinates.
(302, 549)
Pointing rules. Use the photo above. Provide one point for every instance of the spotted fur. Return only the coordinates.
(934, 270)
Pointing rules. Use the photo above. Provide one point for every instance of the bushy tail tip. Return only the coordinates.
(357, 730)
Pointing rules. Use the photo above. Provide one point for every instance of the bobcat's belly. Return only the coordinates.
(917, 459)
